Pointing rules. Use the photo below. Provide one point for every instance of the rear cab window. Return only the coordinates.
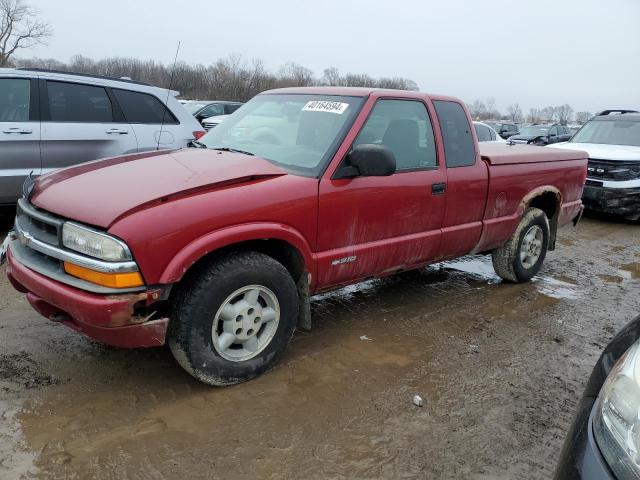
(15, 100)
(458, 143)
(75, 102)
(139, 107)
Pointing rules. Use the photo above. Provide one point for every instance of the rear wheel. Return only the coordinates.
(523, 254)
(234, 318)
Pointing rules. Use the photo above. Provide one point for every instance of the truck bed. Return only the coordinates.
(505, 154)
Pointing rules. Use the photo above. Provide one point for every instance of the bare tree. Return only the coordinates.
(547, 114)
(296, 75)
(478, 109)
(331, 77)
(20, 28)
(535, 115)
(515, 112)
(583, 117)
(230, 78)
(563, 113)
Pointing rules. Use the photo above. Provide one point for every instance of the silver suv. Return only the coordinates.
(50, 120)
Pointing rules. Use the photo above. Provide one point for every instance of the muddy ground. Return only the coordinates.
(500, 366)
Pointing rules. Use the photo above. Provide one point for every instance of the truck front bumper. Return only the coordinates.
(619, 201)
(110, 319)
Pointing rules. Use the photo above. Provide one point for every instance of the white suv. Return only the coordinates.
(612, 140)
(50, 120)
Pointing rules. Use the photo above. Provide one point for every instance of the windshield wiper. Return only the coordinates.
(198, 144)
(233, 150)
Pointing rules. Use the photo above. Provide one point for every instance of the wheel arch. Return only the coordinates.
(281, 242)
(548, 199)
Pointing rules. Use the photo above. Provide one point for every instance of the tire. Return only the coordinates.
(222, 293)
(508, 261)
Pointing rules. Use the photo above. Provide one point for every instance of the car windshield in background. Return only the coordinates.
(296, 132)
(533, 131)
(610, 132)
(193, 107)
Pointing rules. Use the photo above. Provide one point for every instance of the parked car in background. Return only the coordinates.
(505, 130)
(213, 122)
(204, 109)
(217, 249)
(487, 134)
(542, 134)
(612, 140)
(50, 120)
(603, 441)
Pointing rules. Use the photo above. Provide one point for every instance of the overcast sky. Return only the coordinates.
(535, 52)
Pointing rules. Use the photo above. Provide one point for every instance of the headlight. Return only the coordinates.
(617, 418)
(94, 244)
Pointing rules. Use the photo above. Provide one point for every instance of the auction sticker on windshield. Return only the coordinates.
(323, 106)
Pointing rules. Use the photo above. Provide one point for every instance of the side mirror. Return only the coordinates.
(369, 160)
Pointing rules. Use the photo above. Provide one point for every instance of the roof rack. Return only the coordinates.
(103, 77)
(616, 111)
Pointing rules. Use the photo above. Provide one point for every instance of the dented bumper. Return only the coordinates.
(618, 201)
(111, 319)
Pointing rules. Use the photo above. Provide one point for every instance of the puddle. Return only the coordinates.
(346, 292)
(630, 270)
(554, 288)
(610, 278)
(14, 456)
(480, 267)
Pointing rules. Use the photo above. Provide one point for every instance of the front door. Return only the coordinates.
(375, 225)
(19, 135)
(80, 123)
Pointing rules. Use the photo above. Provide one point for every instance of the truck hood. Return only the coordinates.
(98, 193)
(602, 151)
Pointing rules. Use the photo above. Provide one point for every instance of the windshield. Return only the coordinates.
(610, 132)
(533, 131)
(193, 107)
(296, 132)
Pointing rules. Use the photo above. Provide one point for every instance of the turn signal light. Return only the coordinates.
(110, 280)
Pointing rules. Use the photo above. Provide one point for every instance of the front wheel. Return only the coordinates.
(234, 318)
(521, 257)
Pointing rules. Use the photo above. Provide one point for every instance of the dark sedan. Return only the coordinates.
(604, 440)
(542, 134)
(202, 109)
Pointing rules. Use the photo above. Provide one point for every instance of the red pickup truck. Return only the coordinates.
(216, 249)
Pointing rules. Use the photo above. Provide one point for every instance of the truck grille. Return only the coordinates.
(38, 246)
(613, 170)
(38, 224)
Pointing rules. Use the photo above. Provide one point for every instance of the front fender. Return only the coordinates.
(225, 237)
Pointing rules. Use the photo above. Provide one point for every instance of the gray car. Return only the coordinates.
(50, 120)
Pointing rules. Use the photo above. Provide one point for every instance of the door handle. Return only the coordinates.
(117, 131)
(20, 131)
(438, 188)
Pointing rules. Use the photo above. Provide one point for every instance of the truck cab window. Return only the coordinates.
(456, 134)
(404, 127)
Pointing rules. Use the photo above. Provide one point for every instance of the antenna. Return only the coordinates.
(166, 103)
